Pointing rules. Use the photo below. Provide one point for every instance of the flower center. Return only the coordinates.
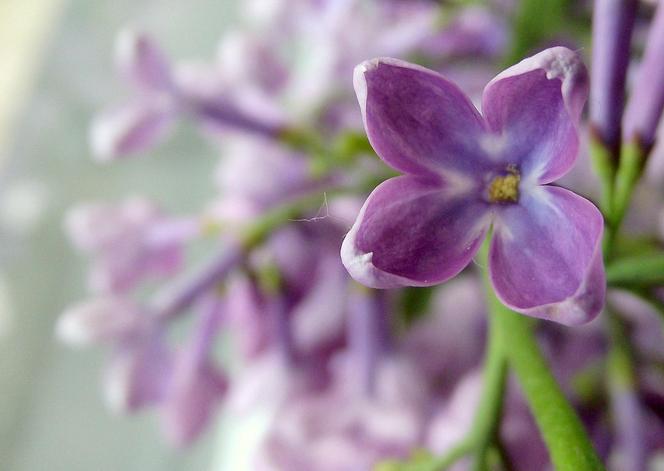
(505, 188)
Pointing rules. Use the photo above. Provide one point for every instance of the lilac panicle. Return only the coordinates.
(465, 172)
(644, 107)
(613, 21)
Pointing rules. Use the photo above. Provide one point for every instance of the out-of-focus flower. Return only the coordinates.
(644, 107)
(337, 430)
(261, 172)
(109, 319)
(138, 372)
(163, 93)
(440, 340)
(130, 129)
(453, 421)
(612, 30)
(196, 386)
(474, 31)
(128, 241)
(466, 172)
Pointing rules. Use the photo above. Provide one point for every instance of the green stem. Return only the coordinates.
(534, 22)
(632, 161)
(487, 418)
(604, 164)
(451, 457)
(620, 366)
(564, 435)
(636, 271)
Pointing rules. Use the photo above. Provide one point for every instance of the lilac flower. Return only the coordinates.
(440, 340)
(645, 106)
(475, 31)
(337, 430)
(164, 93)
(246, 316)
(196, 386)
(145, 122)
(262, 171)
(452, 422)
(102, 320)
(466, 172)
(612, 30)
(129, 242)
(138, 372)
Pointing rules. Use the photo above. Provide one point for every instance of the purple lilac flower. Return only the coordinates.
(335, 430)
(138, 371)
(163, 93)
(453, 421)
(465, 172)
(261, 171)
(475, 31)
(196, 386)
(613, 21)
(129, 242)
(440, 341)
(106, 319)
(644, 107)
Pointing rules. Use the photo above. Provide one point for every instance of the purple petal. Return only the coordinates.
(318, 319)
(417, 121)
(131, 129)
(613, 23)
(413, 231)
(645, 106)
(100, 320)
(534, 108)
(192, 401)
(197, 385)
(546, 259)
(140, 60)
(137, 373)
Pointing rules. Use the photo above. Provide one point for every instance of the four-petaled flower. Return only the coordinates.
(466, 172)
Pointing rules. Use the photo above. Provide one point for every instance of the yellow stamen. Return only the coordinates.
(505, 189)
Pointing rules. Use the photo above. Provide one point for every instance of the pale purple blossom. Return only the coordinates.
(197, 385)
(130, 241)
(613, 21)
(466, 172)
(164, 92)
(644, 107)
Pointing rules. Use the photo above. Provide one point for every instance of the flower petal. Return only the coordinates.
(131, 129)
(417, 121)
(546, 260)
(413, 231)
(142, 62)
(534, 106)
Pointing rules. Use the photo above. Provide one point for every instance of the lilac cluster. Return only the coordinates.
(319, 305)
